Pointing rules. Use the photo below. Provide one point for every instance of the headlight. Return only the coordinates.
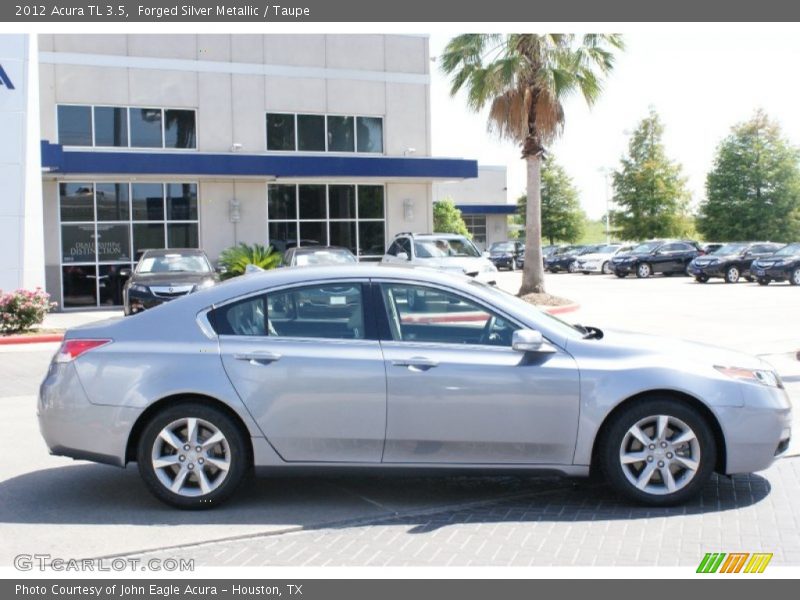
(762, 376)
(138, 287)
(713, 261)
(203, 284)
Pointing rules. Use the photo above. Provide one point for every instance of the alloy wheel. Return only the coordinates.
(191, 457)
(795, 280)
(660, 455)
(606, 268)
(732, 275)
(643, 270)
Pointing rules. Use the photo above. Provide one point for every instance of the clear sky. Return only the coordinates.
(700, 80)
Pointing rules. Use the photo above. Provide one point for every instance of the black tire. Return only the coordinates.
(620, 275)
(237, 446)
(668, 273)
(644, 270)
(605, 268)
(732, 274)
(794, 278)
(763, 281)
(701, 278)
(572, 268)
(748, 279)
(614, 434)
(513, 266)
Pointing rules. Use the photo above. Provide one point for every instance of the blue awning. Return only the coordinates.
(487, 209)
(80, 162)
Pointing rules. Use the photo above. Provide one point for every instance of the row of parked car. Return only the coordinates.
(762, 262)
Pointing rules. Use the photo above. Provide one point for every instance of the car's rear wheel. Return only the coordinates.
(606, 268)
(643, 271)
(732, 274)
(192, 456)
(795, 277)
(701, 278)
(659, 451)
(763, 281)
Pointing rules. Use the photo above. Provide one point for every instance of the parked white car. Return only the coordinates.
(600, 261)
(447, 252)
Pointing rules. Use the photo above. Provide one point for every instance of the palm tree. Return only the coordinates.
(524, 79)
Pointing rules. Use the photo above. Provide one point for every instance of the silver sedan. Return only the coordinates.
(370, 366)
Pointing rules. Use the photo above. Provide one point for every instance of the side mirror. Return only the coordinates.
(124, 273)
(528, 340)
(402, 256)
(221, 270)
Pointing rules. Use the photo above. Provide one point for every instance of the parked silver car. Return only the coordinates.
(261, 371)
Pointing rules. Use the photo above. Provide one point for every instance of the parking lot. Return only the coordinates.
(76, 509)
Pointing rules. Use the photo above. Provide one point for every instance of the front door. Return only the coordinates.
(458, 393)
(309, 371)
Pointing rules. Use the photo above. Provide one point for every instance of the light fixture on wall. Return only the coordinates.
(408, 209)
(409, 151)
(234, 211)
(237, 147)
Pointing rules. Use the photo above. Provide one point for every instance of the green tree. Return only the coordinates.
(236, 258)
(447, 218)
(563, 219)
(524, 80)
(649, 188)
(753, 190)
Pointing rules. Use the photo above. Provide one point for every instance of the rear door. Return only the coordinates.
(307, 364)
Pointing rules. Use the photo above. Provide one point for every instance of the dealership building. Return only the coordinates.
(151, 141)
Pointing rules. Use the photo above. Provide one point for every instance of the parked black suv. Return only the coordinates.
(163, 275)
(656, 256)
(781, 266)
(507, 255)
(731, 261)
(564, 258)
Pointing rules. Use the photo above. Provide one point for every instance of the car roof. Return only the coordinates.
(181, 251)
(314, 249)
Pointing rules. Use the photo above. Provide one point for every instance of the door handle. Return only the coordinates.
(259, 358)
(416, 363)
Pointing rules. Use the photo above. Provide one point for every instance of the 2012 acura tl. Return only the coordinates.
(334, 367)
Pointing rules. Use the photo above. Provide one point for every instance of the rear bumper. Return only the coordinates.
(74, 427)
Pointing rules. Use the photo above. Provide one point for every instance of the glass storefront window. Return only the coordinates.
(77, 243)
(282, 202)
(113, 203)
(342, 201)
(370, 202)
(370, 134)
(341, 134)
(148, 201)
(343, 233)
(312, 232)
(147, 236)
(113, 242)
(312, 202)
(146, 128)
(182, 201)
(371, 239)
(182, 235)
(311, 133)
(280, 131)
(76, 202)
(179, 129)
(75, 125)
(79, 285)
(110, 126)
(110, 284)
(282, 235)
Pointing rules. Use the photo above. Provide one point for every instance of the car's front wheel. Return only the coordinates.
(794, 279)
(701, 278)
(763, 281)
(606, 268)
(513, 266)
(732, 274)
(192, 456)
(643, 271)
(658, 451)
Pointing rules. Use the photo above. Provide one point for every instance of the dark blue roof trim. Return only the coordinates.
(54, 158)
(487, 209)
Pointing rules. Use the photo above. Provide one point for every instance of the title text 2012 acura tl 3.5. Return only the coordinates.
(333, 367)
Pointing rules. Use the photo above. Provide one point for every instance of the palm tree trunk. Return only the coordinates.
(533, 272)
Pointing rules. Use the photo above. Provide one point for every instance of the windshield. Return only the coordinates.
(324, 257)
(502, 247)
(646, 248)
(443, 248)
(789, 250)
(726, 249)
(607, 249)
(174, 263)
(562, 327)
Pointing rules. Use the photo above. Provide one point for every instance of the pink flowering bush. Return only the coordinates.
(22, 309)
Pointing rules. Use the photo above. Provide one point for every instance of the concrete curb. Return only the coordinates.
(558, 310)
(31, 339)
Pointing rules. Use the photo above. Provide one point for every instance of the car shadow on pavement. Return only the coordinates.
(101, 495)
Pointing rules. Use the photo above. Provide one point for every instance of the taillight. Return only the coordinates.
(72, 349)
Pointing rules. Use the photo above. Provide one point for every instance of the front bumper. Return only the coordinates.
(137, 301)
(593, 266)
(559, 265)
(74, 427)
(757, 433)
(774, 273)
(624, 267)
(502, 262)
(715, 270)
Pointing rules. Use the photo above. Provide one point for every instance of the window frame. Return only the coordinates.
(326, 150)
(129, 148)
(370, 312)
(385, 332)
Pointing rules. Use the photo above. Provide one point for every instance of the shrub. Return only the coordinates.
(22, 309)
(236, 258)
